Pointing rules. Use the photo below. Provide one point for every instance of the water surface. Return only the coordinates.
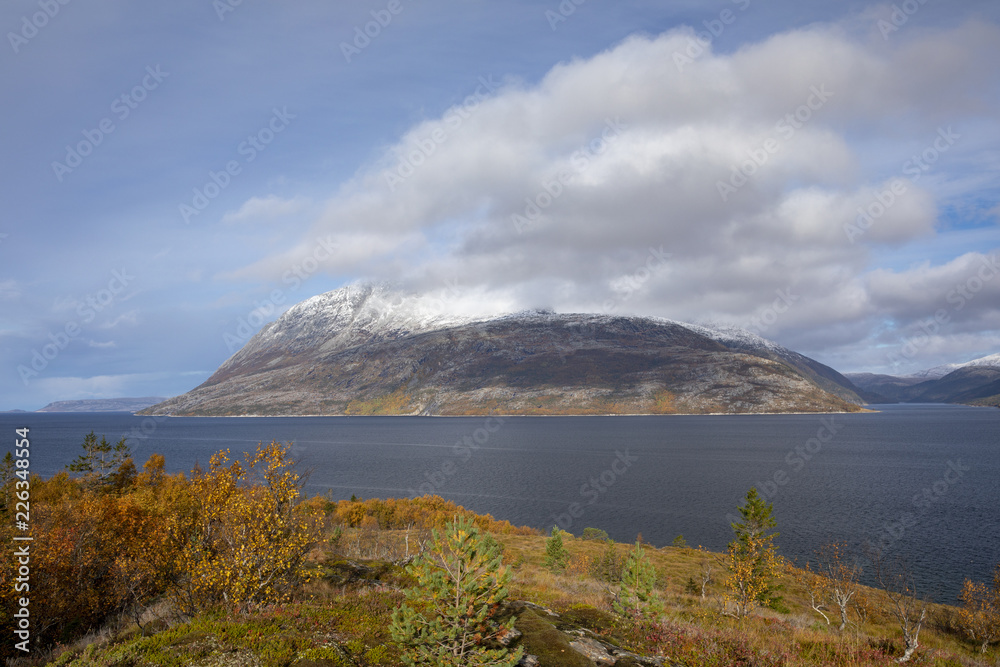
(923, 480)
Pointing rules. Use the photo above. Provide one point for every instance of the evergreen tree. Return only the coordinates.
(752, 557)
(608, 566)
(556, 556)
(450, 619)
(100, 459)
(636, 593)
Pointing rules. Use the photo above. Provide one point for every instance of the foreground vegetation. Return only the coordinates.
(232, 566)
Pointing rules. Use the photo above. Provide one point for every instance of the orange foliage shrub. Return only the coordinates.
(426, 512)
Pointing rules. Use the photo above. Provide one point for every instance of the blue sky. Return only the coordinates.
(176, 174)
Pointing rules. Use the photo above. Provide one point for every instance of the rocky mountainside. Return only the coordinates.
(366, 349)
(740, 340)
(103, 405)
(976, 382)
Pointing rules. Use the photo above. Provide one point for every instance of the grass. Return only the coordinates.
(342, 617)
(396, 403)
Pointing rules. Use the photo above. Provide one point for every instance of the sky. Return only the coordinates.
(176, 175)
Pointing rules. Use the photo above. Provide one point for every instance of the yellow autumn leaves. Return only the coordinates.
(247, 539)
(235, 535)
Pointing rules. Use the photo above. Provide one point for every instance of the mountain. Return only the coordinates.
(366, 349)
(740, 340)
(975, 382)
(991, 361)
(883, 388)
(103, 405)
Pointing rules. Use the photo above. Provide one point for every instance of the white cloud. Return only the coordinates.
(131, 318)
(269, 208)
(10, 290)
(609, 156)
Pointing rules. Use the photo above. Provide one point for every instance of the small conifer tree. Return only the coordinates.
(556, 556)
(636, 593)
(752, 558)
(450, 618)
(100, 459)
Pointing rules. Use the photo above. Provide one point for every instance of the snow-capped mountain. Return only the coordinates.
(976, 382)
(367, 349)
(990, 361)
(353, 315)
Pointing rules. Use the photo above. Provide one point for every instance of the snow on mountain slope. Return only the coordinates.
(370, 312)
(367, 315)
(990, 361)
(736, 338)
(353, 315)
(367, 350)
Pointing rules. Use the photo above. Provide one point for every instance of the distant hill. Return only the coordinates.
(104, 405)
(366, 349)
(975, 382)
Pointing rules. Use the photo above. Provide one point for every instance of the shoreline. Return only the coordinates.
(511, 416)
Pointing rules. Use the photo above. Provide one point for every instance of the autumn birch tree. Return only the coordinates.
(248, 538)
(752, 558)
(980, 613)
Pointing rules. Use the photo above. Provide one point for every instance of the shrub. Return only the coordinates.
(609, 565)
(247, 542)
(595, 534)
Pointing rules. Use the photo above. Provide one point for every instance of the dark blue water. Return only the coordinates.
(922, 480)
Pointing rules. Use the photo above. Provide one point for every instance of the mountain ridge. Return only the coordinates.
(127, 404)
(366, 349)
(975, 382)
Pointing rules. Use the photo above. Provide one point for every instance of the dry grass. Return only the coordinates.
(346, 609)
(693, 629)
